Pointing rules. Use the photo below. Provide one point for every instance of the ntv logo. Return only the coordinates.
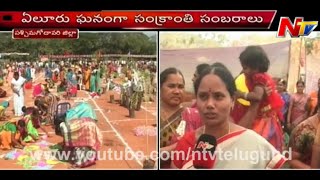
(299, 28)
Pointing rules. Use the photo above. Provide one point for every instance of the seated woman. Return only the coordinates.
(81, 136)
(62, 87)
(305, 143)
(50, 83)
(215, 94)
(43, 108)
(33, 114)
(32, 134)
(11, 134)
(47, 105)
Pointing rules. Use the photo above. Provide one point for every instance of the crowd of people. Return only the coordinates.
(251, 113)
(78, 125)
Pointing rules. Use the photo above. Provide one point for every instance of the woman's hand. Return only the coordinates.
(239, 94)
(267, 90)
(19, 146)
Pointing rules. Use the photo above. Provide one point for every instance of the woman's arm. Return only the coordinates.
(248, 118)
(256, 95)
(289, 113)
(15, 143)
(307, 107)
(296, 163)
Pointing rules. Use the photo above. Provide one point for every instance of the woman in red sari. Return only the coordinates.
(264, 113)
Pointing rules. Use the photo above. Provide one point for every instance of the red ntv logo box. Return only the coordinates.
(296, 29)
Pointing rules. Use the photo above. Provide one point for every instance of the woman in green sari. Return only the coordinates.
(32, 134)
(93, 80)
(98, 81)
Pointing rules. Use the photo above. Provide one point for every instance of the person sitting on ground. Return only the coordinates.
(50, 83)
(32, 134)
(81, 136)
(62, 87)
(11, 134)
(43, 108)
(35, 118)
(47, 105)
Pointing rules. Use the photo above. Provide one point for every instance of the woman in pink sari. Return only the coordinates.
(37, 90)
(299, 106)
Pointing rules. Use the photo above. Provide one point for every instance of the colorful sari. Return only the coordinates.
(3, 106)
(37, 90)
(86, 81)
(93, 81)
(240, 151)
(28, 74)
(298, 111)
(10, 75)
(52, 101)
(31, 130)
(302, 138)
(62, 75)
(314, 101)
(267, 122)
(82, 136)
(182, 121)
(6, 131)
(286, 99)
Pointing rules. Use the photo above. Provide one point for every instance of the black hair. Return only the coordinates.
(16, 73)
(223, 73)
(201, 67)
(165, 73)
(24, 109)
(37, 102)
(219, 64)
(21, 123)
(255, 58)
(300, 82)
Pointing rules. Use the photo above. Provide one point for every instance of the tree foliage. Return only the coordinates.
(88, 43)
